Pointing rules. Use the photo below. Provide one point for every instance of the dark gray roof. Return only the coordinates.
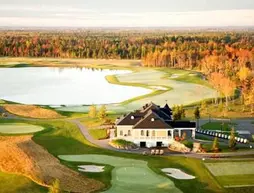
(151, 121)
(182, 124)
(161, 117)
(127, 119)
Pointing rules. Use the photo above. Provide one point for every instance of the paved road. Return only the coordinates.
(99, 143)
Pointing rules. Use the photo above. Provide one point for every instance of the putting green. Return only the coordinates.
(129, 175)
(19, 128)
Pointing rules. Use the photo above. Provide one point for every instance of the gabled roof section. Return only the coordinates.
(131, 118)
(148, 107)
(151, 121)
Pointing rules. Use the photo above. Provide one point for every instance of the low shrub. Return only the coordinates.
(187, 143)
(122, 144)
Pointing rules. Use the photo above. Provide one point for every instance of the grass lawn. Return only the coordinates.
(128, 175)
(236, 176)
(104, 177)
(185, 76)
(98, 133)
(64, 138)
(230, 180)
(220, 126)
(231, 168)
(12, 183)
(235, 110)
(114, 80)
(19, 128)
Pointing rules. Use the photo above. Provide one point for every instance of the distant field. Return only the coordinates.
(95, 63)
(19, 128)
(233, 174)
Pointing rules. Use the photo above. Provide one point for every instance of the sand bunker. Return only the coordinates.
(177, 174)
(158, 87)
(192, 74)
(175, 75)
(20, 155)
(91, 168)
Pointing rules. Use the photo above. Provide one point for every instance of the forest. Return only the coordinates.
(226, 58)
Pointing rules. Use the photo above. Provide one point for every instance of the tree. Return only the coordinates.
(102, 112)
(182, 112)
(228, 88)
(178, 112)
(249, 99)
(55, 187)
(197, 115)
(204, 106)
(92, 111)
(232, 140)
(215, 146)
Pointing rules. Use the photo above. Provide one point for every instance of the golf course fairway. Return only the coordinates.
(185, 85)
(19, 128)
(128, 175)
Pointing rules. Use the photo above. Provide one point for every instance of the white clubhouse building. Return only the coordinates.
(152, 126)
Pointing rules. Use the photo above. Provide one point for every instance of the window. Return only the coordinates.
(129, 132)
(169, 133)
(142, 133)
(147, 133)
(121, 133)
(153, 133)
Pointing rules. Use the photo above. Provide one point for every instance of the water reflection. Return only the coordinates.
(63, 86)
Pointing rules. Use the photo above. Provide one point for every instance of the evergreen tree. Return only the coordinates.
(215, 146)
(197, 115)
(232, 140)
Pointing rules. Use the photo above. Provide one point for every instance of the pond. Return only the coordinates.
(63, 86)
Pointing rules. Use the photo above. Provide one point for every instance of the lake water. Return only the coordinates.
(63, 86)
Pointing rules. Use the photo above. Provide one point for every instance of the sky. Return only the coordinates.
(126, 13)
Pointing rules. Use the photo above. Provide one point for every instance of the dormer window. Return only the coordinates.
(152, 119)
(132, 117)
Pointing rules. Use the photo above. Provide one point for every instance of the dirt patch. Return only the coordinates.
(32, 111)
(21, 155)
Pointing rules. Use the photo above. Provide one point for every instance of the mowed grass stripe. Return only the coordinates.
(231, 168)
(236, 180)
